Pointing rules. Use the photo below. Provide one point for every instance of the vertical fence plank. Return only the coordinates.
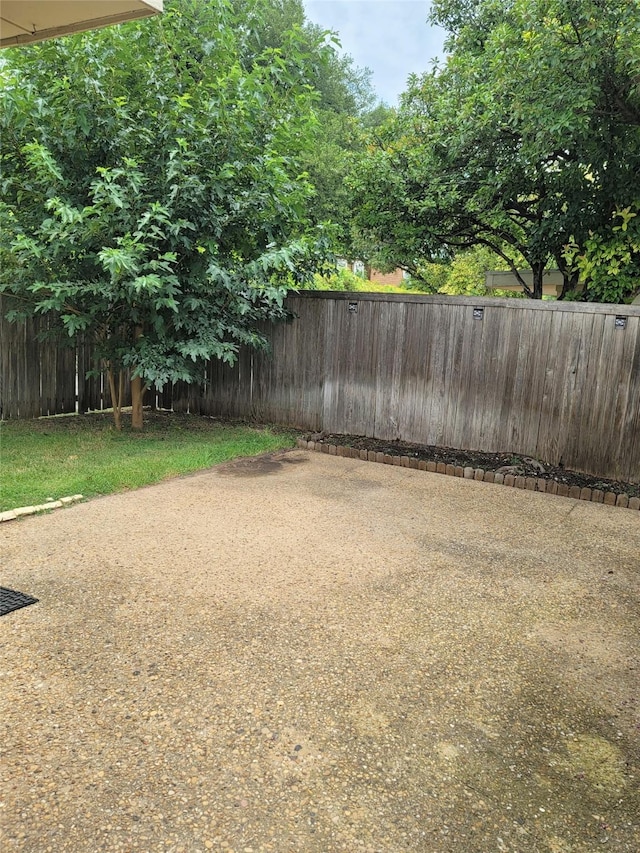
(556, 367)
(469, 332)
(532, 392)
(498, 363)
(417, 368)
(582, 393)
(440, 332)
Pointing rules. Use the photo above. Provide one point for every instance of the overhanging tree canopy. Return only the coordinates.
(526, 141)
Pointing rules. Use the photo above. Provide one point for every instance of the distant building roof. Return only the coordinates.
(551, 282)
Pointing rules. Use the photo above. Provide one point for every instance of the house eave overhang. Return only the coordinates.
(28, 21)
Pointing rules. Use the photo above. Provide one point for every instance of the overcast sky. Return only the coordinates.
(391, 37)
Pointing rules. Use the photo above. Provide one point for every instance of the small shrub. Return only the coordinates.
(340, 280)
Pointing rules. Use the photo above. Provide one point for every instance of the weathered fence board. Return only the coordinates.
(557, 381)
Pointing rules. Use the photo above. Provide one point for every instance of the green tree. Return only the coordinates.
(609, 261)
(346, 100)
(463, 275)
(527, 140)
(345, 103)
(153, 198)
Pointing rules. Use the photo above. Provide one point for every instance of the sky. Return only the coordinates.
(391, 37)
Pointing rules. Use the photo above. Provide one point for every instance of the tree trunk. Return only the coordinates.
(570, 284)
(116, 396)
(538, 272)
(137, 392)
(570, 278)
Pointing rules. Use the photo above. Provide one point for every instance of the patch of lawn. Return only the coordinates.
(83, 454)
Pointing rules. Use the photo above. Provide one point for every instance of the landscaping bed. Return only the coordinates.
(504, 464)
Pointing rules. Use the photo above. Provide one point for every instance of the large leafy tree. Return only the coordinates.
(526, 141)
(153, 199)
(345, 102)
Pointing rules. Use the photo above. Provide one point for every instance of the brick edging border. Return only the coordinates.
(532, 484)
(19, 512)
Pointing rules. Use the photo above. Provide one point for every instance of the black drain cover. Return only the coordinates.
(12, 600)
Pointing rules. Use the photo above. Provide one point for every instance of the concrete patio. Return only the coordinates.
(311, 653)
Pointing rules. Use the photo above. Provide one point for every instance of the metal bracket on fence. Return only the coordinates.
(478, 313)
(621, 322)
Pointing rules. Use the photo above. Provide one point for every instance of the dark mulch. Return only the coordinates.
(521, 466)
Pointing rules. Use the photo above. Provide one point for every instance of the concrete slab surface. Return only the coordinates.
(311, 653)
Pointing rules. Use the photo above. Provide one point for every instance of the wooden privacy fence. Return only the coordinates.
(553, 380)
(42, 377)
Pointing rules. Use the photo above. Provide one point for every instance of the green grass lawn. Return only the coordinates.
(83, 454)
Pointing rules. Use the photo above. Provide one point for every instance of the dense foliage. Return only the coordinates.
(344, 106)
(154, 198)
(527, 142)
(463, 275)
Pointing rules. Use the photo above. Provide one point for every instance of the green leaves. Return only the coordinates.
(154, 196)
(119, 262)
(525, 141)
(39, 160)
(609, 260)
